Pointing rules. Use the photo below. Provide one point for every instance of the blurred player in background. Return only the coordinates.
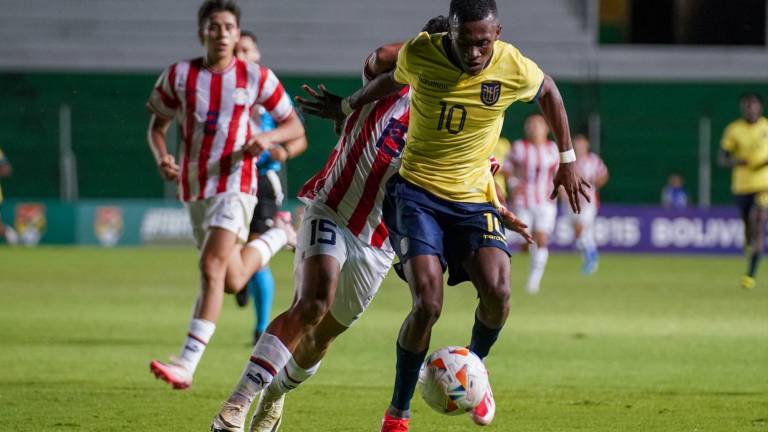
(744, 148)
(261, 286)
(211, 97)
(530, 166)
(592, 169)
(6, 170)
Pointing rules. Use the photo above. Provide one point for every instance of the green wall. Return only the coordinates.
(649, 129)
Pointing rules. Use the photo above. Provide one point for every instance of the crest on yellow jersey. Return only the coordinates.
(490, 92)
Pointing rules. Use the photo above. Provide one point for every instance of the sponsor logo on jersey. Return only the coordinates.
(30, 223)
(490, 92)
(432, 83)
(108, 225)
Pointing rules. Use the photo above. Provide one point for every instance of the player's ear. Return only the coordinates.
(201, 37)
(498, 31)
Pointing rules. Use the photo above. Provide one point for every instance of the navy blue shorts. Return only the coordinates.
(421, 223)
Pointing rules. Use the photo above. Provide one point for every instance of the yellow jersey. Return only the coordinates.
(456, 118)
(748, 142)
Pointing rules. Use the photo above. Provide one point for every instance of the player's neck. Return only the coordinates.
(218, 64)
(540, 141)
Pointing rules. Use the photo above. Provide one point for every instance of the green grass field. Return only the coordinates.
(647, 344)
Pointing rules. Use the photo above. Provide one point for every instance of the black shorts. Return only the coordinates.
(270, 198)
(746, 202)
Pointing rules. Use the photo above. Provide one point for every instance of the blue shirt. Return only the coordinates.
(265, 162)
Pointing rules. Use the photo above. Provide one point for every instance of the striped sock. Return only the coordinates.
(200, 332)
(269, 356)
(290, 377)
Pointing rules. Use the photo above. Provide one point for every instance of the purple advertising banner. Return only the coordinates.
(717, 230)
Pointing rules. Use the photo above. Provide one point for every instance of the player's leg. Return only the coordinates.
(214, 257)
(261, 288)
(758, 217)
(583, 226)
(359, 281)
(417, 237)
(219, 224)
(321, 253)
(544, 216)
(7, 232)
(745, 204)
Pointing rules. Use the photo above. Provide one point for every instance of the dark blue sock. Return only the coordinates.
(408, 365)
(483, 338)
(754, 260)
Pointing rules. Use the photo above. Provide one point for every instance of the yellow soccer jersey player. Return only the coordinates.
(456, 118)
(748, 142)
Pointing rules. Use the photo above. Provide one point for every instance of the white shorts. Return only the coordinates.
(363, 267)
(587, 216)
(539, 218)
(231, 211)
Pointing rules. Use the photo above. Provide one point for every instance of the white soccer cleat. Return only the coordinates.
(172, 372)
(283, 222)
(268, 414)
(483, 414)
(231, 418)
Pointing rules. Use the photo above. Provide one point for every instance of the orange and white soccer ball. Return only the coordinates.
(453, 380)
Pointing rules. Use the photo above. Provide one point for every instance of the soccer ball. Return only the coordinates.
(453, 380)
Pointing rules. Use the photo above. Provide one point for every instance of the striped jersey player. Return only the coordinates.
(211, 98)
(592, 169)
(530, 167)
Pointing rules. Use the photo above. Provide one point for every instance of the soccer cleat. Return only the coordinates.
(394, 424)
(231, 418)
(747, 282)
(283, 222)
(241, 298)
(268, 414)
(173, 372)
(589, 267)
(483, 414)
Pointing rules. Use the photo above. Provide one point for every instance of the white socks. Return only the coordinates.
(539, 257)
(200, 332)
(290, 377)
(269, 244)
(269, 356)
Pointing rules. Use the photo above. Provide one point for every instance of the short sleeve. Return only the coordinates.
(529, 77)
(403, 73)
(728, 142)
(273, 97)
(163, 100)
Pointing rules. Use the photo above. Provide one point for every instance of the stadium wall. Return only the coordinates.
(648, 129)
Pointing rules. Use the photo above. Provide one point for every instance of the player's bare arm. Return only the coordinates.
(5, 168)
(156, 136)
(553, 108)
(728, 160)
(287, 130)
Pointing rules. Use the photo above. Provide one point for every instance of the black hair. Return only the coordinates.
(438, 24)
(472, 10)
(210, 7)
(249, 34)
(751, 95)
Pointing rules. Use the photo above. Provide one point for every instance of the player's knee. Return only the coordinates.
(427, 311)
(212, 268)
(311, 311)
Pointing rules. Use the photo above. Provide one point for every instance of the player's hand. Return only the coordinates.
(278, 153)
(573, 185)
(511, 222)
(168, 168)
(325, 104)
(257, 145)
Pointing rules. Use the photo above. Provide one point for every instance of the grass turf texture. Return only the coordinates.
(647, 344)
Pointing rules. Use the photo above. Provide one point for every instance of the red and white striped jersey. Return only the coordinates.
(213, 109)
(591, 168)
(534, 167)
(367, 154)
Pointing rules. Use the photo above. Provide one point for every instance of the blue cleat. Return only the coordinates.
(591, 261)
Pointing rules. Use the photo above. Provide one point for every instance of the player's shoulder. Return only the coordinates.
(423, 45)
